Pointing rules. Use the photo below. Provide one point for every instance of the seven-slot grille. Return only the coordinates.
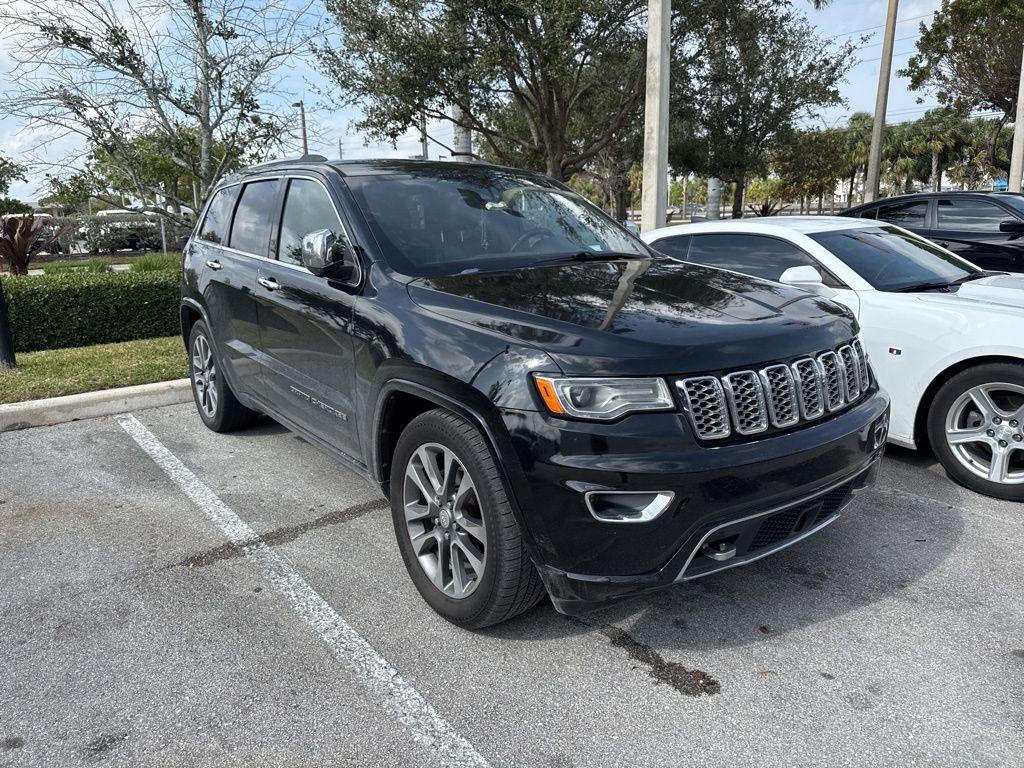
(782, 395)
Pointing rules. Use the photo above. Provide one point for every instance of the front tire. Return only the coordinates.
(218, 407)
(976, 429)
(455, 528)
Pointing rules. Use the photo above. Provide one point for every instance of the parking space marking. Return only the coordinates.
(427, 726)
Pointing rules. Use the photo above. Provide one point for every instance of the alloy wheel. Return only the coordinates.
(985, 431)
(444, 521)
(204, 376)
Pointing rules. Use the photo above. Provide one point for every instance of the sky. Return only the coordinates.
(328, 124)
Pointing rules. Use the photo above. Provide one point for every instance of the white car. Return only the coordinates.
(945, 339)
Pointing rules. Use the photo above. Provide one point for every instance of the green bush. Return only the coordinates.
(76, 309)
(155, 262)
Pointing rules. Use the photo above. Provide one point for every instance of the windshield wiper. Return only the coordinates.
(968, 278)
(590, 256)
(924, 287)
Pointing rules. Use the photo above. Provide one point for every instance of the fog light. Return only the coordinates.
(880, 432)
(627, 506)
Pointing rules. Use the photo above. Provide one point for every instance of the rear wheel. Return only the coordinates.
(976, 428)
(218, 407)
(458, 536)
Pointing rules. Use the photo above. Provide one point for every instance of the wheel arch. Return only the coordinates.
(400, 400)
(190, 312)
(928, 396)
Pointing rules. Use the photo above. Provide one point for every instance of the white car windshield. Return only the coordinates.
(893, 260)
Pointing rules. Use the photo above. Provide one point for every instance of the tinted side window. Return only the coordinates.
(251, 226)
(307, 208)
(676, 247)
(757, 255)
(218, 215)
(905, 214)
(970, 215)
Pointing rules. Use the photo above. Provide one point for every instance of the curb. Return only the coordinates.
(90, 405)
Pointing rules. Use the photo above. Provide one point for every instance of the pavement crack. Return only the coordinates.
(280, 535)
(690, 682)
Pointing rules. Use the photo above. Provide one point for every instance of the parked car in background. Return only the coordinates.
(986, 228)
(547, 402)
(945, 338)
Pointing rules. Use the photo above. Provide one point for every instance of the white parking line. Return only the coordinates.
(425, 723)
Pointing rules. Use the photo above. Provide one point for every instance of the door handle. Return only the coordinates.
(213, 264)
(269, 283)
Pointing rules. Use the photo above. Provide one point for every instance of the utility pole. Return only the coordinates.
(462, 137)
(302, 121)
(881, 102)
(655, 188)
(341, 154)
(1013, 182)
(425, 155)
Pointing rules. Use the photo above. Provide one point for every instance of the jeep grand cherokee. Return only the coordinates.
(548, 404)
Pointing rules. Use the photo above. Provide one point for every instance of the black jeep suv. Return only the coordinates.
(548, 404)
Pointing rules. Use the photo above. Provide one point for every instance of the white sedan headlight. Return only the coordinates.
(602, 399)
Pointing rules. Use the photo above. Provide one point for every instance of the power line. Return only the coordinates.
(880, 26)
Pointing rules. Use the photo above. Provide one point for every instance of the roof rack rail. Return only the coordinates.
(287, 161)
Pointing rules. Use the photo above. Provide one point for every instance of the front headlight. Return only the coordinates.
(602, 399)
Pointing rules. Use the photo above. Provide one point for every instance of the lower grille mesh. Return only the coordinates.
(788, 522)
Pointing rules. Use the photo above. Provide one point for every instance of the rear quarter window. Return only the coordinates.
(214, 228)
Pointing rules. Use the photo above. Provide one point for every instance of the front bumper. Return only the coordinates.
(744, 501)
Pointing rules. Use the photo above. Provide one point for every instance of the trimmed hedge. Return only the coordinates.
(77, 309)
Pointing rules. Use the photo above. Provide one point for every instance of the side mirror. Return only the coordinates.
(182, 242)
(808, 278)
(324, 256)
(1012, 225)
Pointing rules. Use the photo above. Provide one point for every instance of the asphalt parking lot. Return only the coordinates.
(169, 596)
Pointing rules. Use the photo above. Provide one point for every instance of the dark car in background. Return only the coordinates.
(986, 228)
(549, 404)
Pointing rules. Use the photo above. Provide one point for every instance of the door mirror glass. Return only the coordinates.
(1011, 225)
(323, 254)
(808, 278)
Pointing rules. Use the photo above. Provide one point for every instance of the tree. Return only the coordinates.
(763, 68)
(857, 147)
(969, 57)
(11, 205)
(937, 135)
(543, 83)
(809, 163)
(970, 54)
(188, 76)
(10, 172)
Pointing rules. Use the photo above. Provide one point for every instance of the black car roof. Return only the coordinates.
(371, 166)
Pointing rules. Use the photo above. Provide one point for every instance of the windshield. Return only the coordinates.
(440, 222)
(892, 260)
(1014, 201)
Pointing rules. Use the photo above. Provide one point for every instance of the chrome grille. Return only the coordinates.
(851, 371)
(746, 402)
(862, 358)
(812, 400)
(832, 380)
(780, 392)
(705, 401)
(779, 396)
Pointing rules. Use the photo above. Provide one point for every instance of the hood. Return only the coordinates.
(641, 316)
(1004, 290)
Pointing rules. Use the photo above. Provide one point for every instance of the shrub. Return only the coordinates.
(76, 309)
(155, 262)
